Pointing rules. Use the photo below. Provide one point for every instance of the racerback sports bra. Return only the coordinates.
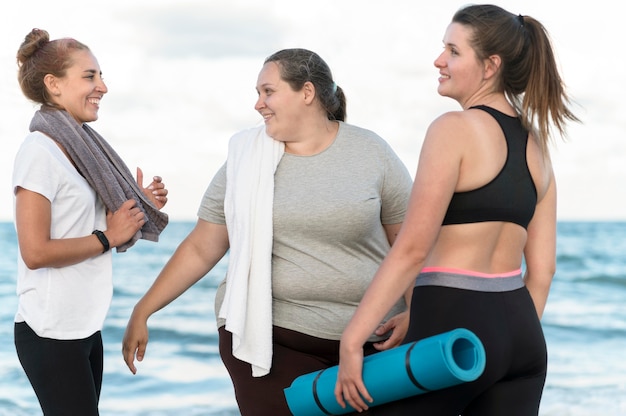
(511, 196)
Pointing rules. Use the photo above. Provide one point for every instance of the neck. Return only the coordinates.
(495, 100)
(314, 140)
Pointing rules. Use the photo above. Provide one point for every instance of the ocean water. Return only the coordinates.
(182, 374)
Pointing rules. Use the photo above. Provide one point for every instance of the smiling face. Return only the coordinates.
(461, 72)
(280, 106)
(80, 90)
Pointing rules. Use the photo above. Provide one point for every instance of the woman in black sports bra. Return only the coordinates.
(483, 204)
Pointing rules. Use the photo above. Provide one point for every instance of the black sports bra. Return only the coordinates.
(511, 196)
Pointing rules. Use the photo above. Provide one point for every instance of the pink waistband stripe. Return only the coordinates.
(470, 272)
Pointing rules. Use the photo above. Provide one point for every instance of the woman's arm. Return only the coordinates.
(398, 325)
(201, 250)
(540, 250)
(33, 221)
(435, 182)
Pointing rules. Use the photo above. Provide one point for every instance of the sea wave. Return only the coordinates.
(182, 374)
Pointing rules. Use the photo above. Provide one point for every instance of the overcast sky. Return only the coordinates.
(181, 78)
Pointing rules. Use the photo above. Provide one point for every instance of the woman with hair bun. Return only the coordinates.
(307, 206)
(75, 200)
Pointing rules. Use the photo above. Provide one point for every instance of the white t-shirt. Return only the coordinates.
(66, 302)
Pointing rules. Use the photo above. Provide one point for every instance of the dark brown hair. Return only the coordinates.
(529, 76)
(298, 66)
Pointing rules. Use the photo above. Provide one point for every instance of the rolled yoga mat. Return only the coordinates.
(433, 363)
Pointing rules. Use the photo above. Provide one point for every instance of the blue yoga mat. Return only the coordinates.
(432, 363)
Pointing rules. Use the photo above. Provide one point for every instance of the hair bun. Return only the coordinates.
(35, 40)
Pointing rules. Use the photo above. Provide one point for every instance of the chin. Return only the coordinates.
(271, 132)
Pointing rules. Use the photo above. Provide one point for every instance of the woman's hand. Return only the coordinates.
(135, 341)
(350, 387)
(398, 325)
(155, 192)
(124, 223)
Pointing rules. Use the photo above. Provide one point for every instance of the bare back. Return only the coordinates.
(486, 246)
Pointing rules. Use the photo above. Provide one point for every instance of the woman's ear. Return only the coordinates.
(52, 84)
(492, 66)
(309, 92)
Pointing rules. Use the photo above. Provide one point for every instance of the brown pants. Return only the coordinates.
(294, 354)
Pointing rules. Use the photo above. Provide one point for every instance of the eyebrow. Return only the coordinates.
(264, 85)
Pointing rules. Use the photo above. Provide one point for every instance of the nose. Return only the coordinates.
(260, 103)
(102, 87)
(439, 62)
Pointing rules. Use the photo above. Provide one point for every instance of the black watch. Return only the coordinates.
(103, 239)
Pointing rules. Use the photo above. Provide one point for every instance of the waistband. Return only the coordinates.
(470, 280)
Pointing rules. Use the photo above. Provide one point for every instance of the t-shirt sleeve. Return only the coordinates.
(36, 169)
(396, 189)
(212, 205)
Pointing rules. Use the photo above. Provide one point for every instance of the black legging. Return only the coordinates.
(65, 374)
(516, 357)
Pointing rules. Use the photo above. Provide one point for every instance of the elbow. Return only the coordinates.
(550, 271)
(540, 278)
(410, 258)
(33, 262)
(34, 259)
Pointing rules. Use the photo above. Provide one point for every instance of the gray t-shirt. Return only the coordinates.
(329, 211)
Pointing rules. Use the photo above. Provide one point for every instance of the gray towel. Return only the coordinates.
(101, 166)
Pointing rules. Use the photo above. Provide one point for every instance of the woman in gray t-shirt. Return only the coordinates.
(340, 195)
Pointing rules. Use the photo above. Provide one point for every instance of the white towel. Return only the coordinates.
(247, 307)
